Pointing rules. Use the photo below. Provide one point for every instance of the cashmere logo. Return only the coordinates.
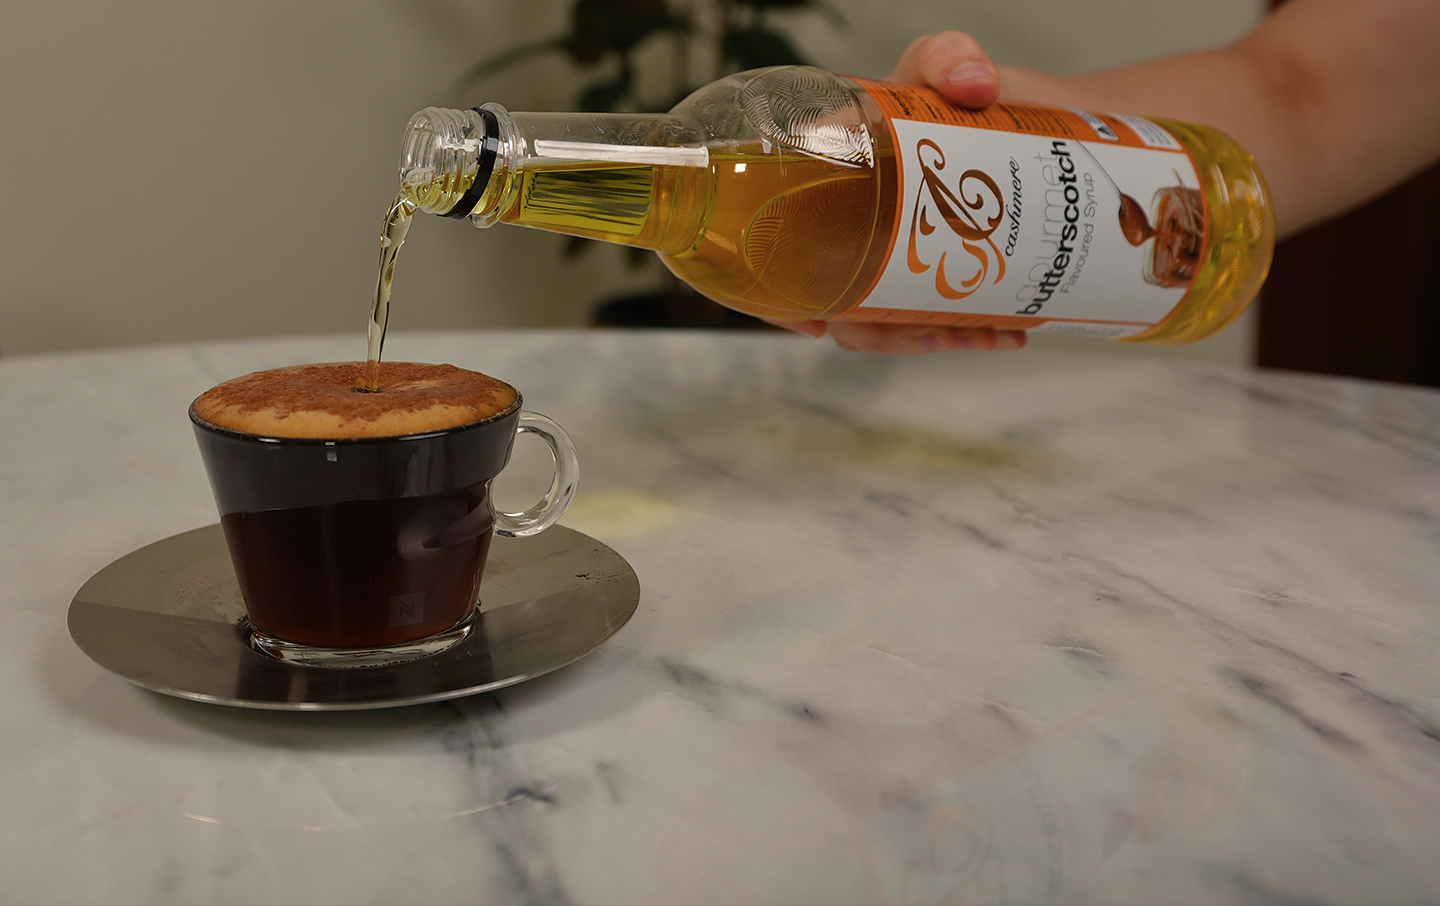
(971, 218)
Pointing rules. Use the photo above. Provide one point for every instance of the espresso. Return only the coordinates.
(362, 574)
(337, 402)
(356, 519)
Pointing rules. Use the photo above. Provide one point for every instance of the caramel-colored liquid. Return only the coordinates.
(1239, 233)
(780, 235)
(784, 235)
(392, 237)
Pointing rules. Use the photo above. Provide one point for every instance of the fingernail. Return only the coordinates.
(966, 340)
(969, 72)
(932, 341)
(1009, 339)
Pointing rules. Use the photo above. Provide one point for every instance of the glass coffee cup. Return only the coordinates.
(358, 520)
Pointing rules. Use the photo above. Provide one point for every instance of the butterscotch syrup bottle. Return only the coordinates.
(790, 193)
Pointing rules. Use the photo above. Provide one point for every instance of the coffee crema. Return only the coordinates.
(332, 401)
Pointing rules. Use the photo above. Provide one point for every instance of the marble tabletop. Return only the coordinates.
(1012, 628)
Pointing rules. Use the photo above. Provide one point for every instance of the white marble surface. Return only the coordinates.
(975, 628)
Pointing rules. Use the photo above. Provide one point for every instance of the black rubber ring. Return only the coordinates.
(489, 150)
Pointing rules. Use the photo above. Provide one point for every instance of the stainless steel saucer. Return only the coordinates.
(167, 617)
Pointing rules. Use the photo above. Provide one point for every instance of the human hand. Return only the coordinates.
(952, 63)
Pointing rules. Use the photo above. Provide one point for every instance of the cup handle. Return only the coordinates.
(562, 486)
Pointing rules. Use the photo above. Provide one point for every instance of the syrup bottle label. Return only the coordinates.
(1034, 218)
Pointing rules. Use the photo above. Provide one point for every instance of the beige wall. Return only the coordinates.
(186, 171)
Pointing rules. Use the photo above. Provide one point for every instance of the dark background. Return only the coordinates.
(1357, 295)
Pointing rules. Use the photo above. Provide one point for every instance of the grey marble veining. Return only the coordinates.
(1019, 628)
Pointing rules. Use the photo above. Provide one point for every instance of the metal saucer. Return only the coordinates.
(167, 617)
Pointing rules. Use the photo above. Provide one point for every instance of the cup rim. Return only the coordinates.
(199, 422)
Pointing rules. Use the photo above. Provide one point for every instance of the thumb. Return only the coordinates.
(952, 63)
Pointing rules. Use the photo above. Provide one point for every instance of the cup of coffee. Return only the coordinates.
(358, 516)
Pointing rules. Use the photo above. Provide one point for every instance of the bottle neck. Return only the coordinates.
(466, 163)
(449, 158)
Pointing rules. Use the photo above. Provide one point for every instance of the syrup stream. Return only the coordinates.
(392, 237)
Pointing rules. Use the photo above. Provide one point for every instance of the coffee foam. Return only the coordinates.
(327, 402)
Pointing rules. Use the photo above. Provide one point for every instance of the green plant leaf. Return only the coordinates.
(760, 7)
(505, 59)
(575, 246)
(774, 4)
(668, 103)
(601, 27)
(755, 46)
(605, 96)
(635, 257)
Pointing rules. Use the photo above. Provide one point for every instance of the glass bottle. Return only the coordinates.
(791, 193)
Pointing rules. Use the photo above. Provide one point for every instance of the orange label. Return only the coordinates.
(1026, 217)
(910, 102)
